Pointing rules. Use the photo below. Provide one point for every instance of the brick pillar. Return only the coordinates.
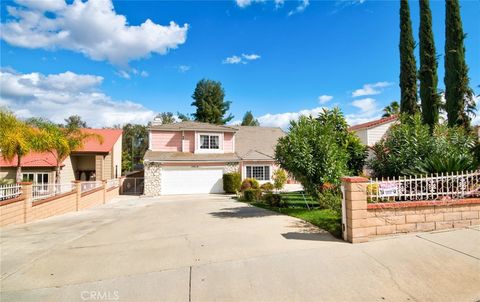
(27, 192)
(355, 194)
(78, 185)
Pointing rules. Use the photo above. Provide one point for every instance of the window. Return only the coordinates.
(209, 142)
(258, 172)
(37, 177)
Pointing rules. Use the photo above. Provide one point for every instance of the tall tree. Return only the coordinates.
(209, 100)
(16, 139)
(459, 98)
(165, 118)
(75, 121)
(408, 68)
(134, 144)
(430, 99)
(249, 119)
(392, 109)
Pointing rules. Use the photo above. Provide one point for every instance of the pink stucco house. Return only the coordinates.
(191, 157)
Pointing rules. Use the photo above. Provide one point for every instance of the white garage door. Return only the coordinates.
(192, 180)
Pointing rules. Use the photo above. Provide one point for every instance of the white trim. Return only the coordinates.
(150, 140)
(220, 143)
(233, 142)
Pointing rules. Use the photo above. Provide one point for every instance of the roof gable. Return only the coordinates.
(374, 123)
(255, 142)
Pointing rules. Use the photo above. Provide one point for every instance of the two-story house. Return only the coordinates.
(191, 157)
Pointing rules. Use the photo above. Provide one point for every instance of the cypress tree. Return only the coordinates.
(408, 68)
(429, 96)
(458, 95)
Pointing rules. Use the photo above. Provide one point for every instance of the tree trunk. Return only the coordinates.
(57, 174)
(19, 169)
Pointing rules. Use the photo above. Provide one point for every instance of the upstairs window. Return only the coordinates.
(210, 142)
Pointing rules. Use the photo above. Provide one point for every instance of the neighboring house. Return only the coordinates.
(191, 157)
(372, 132)
(95, 161)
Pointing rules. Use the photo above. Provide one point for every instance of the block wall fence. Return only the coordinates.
(363, 221)
(24, 209)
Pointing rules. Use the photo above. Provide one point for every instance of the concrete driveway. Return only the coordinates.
(211, 248)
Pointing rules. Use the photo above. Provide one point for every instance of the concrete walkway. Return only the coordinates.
(211, 248)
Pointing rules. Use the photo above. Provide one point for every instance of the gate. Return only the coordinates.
(133, 186)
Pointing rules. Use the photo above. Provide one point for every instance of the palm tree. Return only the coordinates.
(16, 139)
(392, 109)
(61, 142)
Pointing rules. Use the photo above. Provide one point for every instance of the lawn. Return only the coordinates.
(297, 207)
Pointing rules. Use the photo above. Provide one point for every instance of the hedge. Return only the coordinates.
(231, 182)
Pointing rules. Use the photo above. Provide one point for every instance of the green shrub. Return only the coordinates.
(273, 200)
(279, 179)
(251, 195)
(267, 187)
(331, 199)
(231, 182)
(411, 148)
(249, 183)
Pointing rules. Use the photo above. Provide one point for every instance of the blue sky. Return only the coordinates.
(275, 58)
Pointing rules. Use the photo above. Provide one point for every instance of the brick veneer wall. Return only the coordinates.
(365, 221)
(23, 209)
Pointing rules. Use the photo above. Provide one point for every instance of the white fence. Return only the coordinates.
(89, 185)
(42, 191)
(113, 183)
(425, 187)
(10, 191)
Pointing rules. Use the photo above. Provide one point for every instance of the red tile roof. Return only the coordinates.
(91, 145)
(374, 123)
(32, 159)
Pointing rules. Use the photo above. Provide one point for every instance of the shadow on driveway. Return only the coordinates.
(243, 212)
(309, 236)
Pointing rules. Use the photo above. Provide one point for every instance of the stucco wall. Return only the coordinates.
(67, 172)
(169, 141)
(377, 133)
(117, 158)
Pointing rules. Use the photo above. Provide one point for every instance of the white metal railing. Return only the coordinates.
(425, 187)
(89, 185)
(10, 191)
(113, 183)
(42, 191)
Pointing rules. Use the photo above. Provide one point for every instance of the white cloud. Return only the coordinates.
(251, 57)
(233, 60)
(300, 8)
(92, 28)
(245, 3)
(279, 3)
(243, 59)
(323, 99)
(365, 105)
(57, 96)
(184, 68)
(371, 89)
(128, 74)
(282, 120)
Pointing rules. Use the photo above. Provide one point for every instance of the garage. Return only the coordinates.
(191, 180)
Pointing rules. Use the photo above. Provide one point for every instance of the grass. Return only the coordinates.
(296, 207)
